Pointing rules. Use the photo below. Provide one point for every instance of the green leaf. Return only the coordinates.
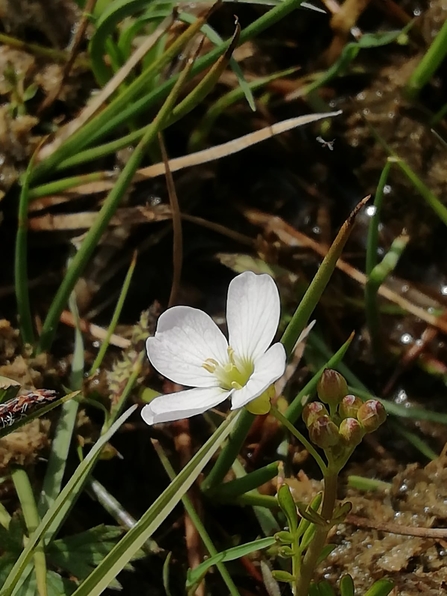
(283, 576)
(196, 574)
(325, 588)
(288, 506)
(347, 586)
(284, 537)
(380, 588)
(81, 553)
(8, 389)
(56, 586)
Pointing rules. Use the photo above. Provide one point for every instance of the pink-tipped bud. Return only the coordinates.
(351, 432)
(332, 387)
(371, 415)
(313, 411)
(349, 406)
(324, 433)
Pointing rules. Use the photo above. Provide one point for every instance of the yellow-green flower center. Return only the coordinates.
(233, 374)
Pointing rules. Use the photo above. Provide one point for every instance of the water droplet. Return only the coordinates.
(387, 189)
(370, 211)
(406, 338)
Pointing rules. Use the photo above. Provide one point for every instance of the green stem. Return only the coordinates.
(314, 551)
(230, 451)
(198, 524)
(301, 438)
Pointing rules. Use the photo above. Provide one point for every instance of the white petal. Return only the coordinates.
(184, 339)
(253, 309)
(183, 404)
(268, 368)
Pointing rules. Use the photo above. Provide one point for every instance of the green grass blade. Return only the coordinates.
(122, 553)
(318, 283)
(372, 246)
(107, 211)
(195, 518)
(130, 103)
(429, 64)
(116, 316)
(21, 262)
(31, 516)
(68, 494)
(60, 445)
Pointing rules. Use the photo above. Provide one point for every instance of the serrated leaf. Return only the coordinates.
(56, 585)
(11, 540)
(7, 560)
(79, 554)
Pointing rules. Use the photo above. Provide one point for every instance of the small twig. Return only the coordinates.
(292, 237)
(94, 330)
(177, 246)
(361, 522)
(79, 36)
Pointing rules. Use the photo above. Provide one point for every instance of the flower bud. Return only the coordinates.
(313, 411)
(324, 433)
(351, 431)
(371, 415)
(332, 387)
(349, 406)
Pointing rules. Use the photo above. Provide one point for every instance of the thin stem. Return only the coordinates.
(301, 438)
(230, 452)
(314, 551)
(177, 232)
(116, 315)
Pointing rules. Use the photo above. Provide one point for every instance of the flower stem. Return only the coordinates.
(301, 438)
(310, 559)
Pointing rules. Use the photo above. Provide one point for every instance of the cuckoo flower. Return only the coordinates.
(188, 348)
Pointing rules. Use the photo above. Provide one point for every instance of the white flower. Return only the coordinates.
(188, 348)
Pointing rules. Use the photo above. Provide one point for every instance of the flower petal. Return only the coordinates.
(184, 404)
(184, 339)
(253, 309)
(267, 370)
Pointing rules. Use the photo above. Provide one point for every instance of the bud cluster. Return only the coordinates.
(344, 422)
